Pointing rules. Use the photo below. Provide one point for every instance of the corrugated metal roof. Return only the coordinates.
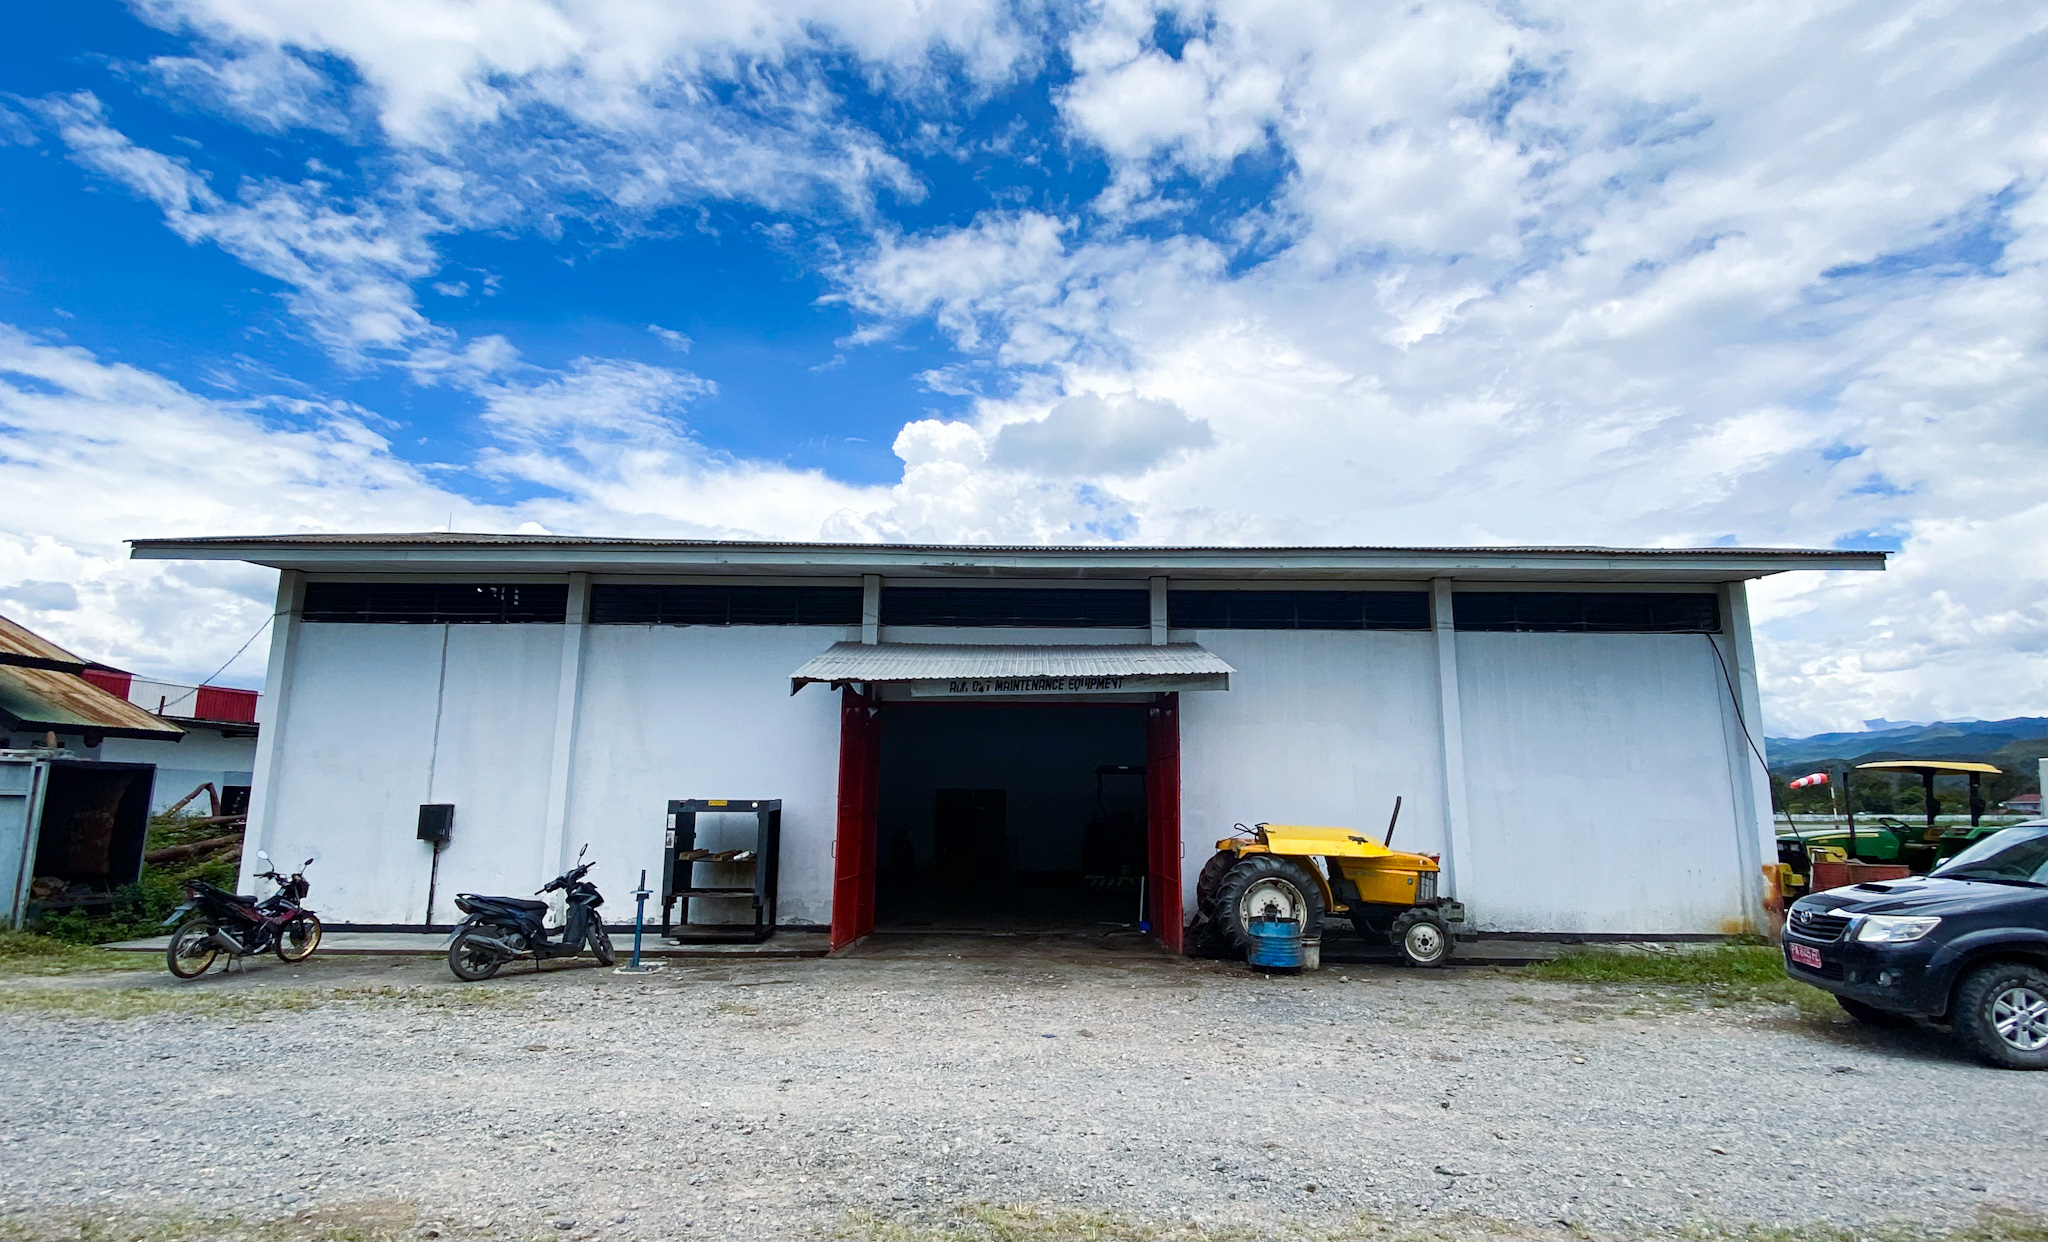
(900, 662)
(445, 539)
(441, 553)
(23, 647)
(39, 699)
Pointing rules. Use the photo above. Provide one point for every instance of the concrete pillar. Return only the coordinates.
(1458, 860)
(568, 696)
(871, 609)
(1159, 634)
(275, 707)
(1755, 834)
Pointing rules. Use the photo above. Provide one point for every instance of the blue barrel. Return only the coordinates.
(1275, 945)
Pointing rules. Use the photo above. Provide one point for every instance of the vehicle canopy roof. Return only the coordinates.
(1934, 767)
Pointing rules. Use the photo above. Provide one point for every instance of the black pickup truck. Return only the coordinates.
(1965, 945)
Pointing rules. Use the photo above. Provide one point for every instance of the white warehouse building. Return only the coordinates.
(1030, 736)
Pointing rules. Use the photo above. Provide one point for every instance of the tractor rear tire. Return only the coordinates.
(1212, 875)
(1265, 884)
(1204, 937)
(1422, 937)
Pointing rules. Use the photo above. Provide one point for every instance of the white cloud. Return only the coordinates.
(1094, 436)
(349, 268)
(1566, 273)
(437, 67)
(156, 460)
(671, 338)
(1600, 276)
(266, 88)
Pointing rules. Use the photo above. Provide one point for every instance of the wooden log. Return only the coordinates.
(171, 853)
(179, 805)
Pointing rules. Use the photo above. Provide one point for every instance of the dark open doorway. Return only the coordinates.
(857, 846)
(1011, 817)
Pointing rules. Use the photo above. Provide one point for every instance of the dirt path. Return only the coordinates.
(890, 1094)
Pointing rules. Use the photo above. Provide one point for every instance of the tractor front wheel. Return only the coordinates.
(1422, 936)
(1265, 886)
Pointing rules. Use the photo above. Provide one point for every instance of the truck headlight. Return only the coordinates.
(1894, 928)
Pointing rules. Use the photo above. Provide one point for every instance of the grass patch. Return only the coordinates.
(138, 908)
(125, 1003)
(26, 953)
(1989, 1224)
(990, 1222)
(359, 1222)
(1009, 1222)
(1724, 974)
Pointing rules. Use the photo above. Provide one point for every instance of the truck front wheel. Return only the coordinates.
(2001, 1014)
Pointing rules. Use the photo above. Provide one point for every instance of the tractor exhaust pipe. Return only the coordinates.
(1395, 819)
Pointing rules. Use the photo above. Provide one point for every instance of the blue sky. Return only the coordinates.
(1154, 272)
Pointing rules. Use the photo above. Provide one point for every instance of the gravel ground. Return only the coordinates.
(887, 1093)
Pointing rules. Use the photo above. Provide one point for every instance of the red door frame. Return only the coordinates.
(860, 787)
(1162, 813)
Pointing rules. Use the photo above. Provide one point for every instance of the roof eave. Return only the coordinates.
(401, 555)
(72, 728)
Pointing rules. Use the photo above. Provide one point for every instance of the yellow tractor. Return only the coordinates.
(1287, 871)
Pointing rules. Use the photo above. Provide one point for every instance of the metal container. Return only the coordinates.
(1275, 945)
(1827, 875)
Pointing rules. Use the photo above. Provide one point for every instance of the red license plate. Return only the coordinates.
(1804, 954)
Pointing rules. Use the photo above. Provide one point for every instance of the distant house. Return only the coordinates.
(192, 735)
(2024, 804)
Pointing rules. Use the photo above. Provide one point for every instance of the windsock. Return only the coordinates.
(1812, 778)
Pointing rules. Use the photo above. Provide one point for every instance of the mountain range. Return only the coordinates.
(2014, 745)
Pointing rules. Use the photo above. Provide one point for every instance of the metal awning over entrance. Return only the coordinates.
(966, 670)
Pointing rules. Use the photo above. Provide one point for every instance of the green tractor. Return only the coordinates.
(1886, 840)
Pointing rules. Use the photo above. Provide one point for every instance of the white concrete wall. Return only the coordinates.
(1318, 727)
(1599, 775)
(202, 755)
(360, 733)
(497, 730)
(1599, 782)
(704, 712)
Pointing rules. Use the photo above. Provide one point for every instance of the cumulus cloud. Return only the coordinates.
(1091, 435)
(1564, 280)
(601, 442)
(1561, 273)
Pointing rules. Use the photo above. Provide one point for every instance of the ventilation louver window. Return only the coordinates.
(627, 604)
(437, 603)
(1587, 612)
(1298, 610)
(1016, 606)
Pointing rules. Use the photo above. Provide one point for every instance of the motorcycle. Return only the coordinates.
(501, 929)
(213, 921)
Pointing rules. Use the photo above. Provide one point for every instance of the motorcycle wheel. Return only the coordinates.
(191, 951)
(472, 965)
(601, 944)
(297, 939)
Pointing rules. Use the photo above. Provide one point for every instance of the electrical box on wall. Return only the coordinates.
(437, 822)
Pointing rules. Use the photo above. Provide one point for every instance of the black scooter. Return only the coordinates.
(502, 929)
